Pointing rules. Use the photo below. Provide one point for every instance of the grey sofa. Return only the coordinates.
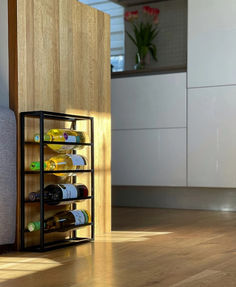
(7, 176)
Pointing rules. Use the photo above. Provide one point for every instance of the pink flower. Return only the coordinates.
(156, 11)
(128, 16)
(135, 14)
(148, 10)
(145, 9)
(151, 11)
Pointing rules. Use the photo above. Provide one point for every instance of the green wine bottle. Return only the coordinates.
(63, 221)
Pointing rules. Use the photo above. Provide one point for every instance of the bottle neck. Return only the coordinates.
(48, 165)
(46, 137)
(50, 224)
(33, 196)
(34, 226)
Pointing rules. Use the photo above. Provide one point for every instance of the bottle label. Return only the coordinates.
(68, 191)
(70, 139)
(77, 159)
(79, 217)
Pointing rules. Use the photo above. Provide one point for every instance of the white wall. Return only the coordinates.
(4, 70)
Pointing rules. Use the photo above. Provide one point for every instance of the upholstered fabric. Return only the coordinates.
(7, 176)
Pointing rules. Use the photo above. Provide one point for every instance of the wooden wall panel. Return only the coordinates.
(63, 65)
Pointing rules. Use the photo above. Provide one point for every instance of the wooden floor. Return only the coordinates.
(148, 247)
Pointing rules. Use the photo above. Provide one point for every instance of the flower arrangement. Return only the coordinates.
(145, 31)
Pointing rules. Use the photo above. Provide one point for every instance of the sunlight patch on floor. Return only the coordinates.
(15, 267)
(128, 236)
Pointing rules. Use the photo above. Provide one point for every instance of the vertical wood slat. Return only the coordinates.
(59, 61)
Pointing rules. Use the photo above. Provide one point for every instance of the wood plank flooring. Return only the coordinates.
(148, 247)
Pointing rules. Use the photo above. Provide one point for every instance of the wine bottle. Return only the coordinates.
(63, 135)
(62, 221)
(61, 162)
(55, 193)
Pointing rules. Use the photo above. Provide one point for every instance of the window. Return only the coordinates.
(116, 13)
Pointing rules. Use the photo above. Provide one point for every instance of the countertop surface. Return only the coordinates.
(148, 72)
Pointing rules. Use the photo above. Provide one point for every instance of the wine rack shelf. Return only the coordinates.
(73, 240)
(59, 171)
(58, 244)
(63, 200)
(60, 143)
(51, 231)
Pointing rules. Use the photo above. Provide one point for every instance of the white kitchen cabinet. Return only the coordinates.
(212, 137)
(157, 101)
(211, 43)
(155, 157)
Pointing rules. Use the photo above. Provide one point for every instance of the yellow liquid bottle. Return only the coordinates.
(63, 135)
(61, 162)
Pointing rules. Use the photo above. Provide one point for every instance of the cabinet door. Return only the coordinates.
(211, 42)
(212, 137)
(155, 157)
(157, 101)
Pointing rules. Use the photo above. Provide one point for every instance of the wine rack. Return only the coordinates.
(43, 116)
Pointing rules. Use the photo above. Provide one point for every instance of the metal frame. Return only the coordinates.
(42, 116)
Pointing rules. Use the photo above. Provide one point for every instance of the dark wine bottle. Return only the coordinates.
(62, 221)
(54, 194)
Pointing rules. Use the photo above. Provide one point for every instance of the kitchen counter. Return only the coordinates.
(148, 72)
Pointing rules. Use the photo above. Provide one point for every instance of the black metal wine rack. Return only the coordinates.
(42, 116)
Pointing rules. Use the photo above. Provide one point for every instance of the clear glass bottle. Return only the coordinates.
(63, 135)
(61, 162)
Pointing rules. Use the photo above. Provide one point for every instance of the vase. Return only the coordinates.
(142, 61)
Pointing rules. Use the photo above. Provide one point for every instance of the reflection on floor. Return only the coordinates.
(128, 236)
(148, 247)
